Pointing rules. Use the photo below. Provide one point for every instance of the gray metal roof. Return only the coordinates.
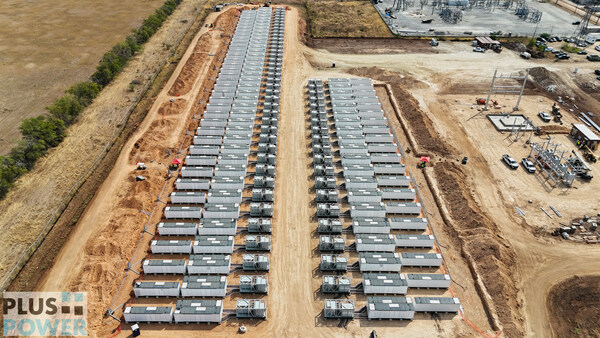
(390, 303)
(384, 279)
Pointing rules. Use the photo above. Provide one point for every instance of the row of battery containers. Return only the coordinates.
(200, 286)
(358, 196)
(381, 261)
(213, 226)
(386, 283)
(202, 165)
(224, 182)
(261, 180)
(376, 242)
(194, 311)
(403, 308)
(370, 209)
(210, 244)
(373, 225)
(205, 264)
(220, 196)
(222, 210)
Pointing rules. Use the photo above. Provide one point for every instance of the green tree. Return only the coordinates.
(65, 108)
(47, 130)
(27, 153)
(85, 92)
(9, 172)
(103, 75)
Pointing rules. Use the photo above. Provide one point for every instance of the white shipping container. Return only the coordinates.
(148, 314)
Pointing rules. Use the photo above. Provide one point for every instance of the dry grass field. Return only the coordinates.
(47, 46)
(345, 19)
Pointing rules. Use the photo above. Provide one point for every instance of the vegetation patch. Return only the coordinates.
(355, 19)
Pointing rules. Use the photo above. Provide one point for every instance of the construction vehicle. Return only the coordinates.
(581, 169)
(482, 101)
(588, 154)
(556, 113)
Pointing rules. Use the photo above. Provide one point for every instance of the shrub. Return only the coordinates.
(9, 172)
(85, 92)
(65, 108)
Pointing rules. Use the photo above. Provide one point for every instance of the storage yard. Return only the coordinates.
(279, 190)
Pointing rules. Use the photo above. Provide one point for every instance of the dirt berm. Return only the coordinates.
(491, 258)
(574, 307)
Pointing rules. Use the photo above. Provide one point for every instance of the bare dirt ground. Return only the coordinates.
(372, 46)
(32, 203)
(39, 62)
(576, 307)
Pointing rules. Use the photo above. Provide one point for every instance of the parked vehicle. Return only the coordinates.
(593, 57)
(544, 116)
(510, 162)
(597, 48)
(582, 52)
(525, 55)
(528, 165)
(576, 22)
(479, 50)
(597, 71)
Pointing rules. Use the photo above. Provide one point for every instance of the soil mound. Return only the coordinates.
(574, 307)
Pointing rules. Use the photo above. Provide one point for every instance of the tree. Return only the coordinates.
(66, 108)
(85, 92)
(47, 131)
(103, 75)
(27, 153)
(9, 172)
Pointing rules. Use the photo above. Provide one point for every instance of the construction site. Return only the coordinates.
(284, 185)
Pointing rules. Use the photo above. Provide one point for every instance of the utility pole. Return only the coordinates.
(487, 101)
(522, 89)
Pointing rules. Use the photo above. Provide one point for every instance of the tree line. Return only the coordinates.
(46, 131)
